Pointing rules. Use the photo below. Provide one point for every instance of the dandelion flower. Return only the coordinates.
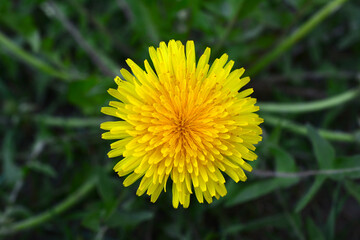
(184, 121)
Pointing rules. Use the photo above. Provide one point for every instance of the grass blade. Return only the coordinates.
(300, 33)
(319, 180)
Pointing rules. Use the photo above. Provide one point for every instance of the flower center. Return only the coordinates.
(182, 125)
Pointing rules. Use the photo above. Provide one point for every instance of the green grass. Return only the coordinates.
(57, 60)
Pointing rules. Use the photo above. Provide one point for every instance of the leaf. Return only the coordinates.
(10, 171)
(276, 134)
(129, 219)
(104, 187)
(351, 162)
(295, 223)
(89, 94)
(5, 93)
(353, 189)
(247, 7)
(278, 220)
(23, 24)
(313, 231)
(42, 168)
(35, 41)
(319, 180)
(144, 20)
(250, 191)
(92, 218)
(336, 207)
(232, 9)
(324, 151)
(283, 160)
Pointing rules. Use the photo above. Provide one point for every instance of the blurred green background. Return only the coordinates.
(57, 59)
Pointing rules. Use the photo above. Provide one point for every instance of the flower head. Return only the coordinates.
(183, 121)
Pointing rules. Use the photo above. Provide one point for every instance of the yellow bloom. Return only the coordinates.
(184, 121)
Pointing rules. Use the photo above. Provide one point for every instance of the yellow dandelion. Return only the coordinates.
(183, 121)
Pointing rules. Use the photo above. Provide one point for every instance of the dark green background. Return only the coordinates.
(57, 59)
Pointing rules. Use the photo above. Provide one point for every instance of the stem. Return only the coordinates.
(228, 29)
(300, 129)
(31, 60)
(297, 35)
(304, 174)
(49, 214)
(69, 122)
(310, 106)
(106, 66)
(116, 43)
